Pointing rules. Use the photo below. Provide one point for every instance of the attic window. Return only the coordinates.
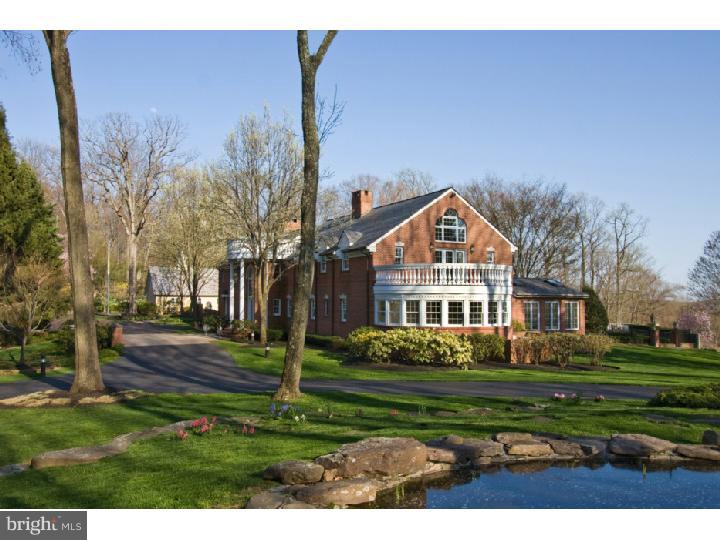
(450, 228)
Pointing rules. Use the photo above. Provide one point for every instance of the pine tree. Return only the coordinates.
(596, 317)
(27, 225)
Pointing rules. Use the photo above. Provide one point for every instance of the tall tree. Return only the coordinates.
(256, 192)
(596, 318)
(130, 162)
(88, 377)
(309, 63)
(704, 277)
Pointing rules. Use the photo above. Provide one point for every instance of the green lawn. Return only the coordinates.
(224, 470)
(636, 364)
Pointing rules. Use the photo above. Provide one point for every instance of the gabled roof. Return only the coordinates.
(543, 288)
(365, 232)
(164, 282)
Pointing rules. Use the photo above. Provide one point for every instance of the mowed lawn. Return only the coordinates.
(629, 364)
(224, 470)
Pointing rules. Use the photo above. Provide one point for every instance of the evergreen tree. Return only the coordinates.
(596, 317)
(27, 225)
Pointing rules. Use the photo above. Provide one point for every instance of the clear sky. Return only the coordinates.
(631, 117)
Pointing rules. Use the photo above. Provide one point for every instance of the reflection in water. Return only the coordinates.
(624, 484)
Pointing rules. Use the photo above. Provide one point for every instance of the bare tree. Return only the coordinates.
(256, 191)
(131, 162)
(704, 277)
(309, 64)
(188, 240)
(591, 236)
(23, 46)
(627, 230)
(88, 377)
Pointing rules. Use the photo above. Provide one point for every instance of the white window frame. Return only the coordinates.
(450, 221)
(576, 305)
(381, 307)
(399, 255)
(505, 305)
(552, 315)
(289, 306)
(425, 312)
(277, 307)
(463, 312)
(482, 312)
(344, 263)
(453, 253)
(490, 256)
(323, 264)
(536, 305)
(313, 308)
(405, 312)
(343, 308)
(498, 315)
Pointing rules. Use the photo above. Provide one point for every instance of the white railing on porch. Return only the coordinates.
(443, 274)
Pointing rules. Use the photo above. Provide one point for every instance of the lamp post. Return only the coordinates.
(43, 366)
(267, 349)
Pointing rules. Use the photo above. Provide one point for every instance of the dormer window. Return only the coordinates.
(450, 228)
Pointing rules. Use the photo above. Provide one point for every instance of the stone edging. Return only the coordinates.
(356, 472)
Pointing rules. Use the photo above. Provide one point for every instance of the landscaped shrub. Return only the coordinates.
(694, 397)
(146, 309)
(563, 347)
(66, 337)
(596, 317)
(518, 326)
(409, 346)
(596, 346)
(334, 343)
(275, 334)
(243, 329)
(487, 347)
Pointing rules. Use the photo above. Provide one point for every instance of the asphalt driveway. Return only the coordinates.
(160, 360)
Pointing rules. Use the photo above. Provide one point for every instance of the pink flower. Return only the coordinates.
(203, 420)
(182, 434)
(252, 429)
(204, 429)
(244, 431)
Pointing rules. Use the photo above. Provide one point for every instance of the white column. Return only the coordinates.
(231, 295)
(422, 313)
(443, 313)
(241, 312)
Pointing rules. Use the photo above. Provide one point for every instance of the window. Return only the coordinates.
(381, 317)
(289, 306)
(456, 314)
(323, 264)
(433, 312)
(343, 308)
(345, 264)
(491, 256)
(394, 311)
(493, 312)
(476, 312)
(326, 305)
(552, 315)
(277, 307)
(532, 316)
(412, 312)
(250, 308)
(399, 254)
(449, 256)
(572, 315)
(505, 313)
(450, 228)
(312, 308)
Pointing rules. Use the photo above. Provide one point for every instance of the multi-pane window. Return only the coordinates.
(381, 317)
(505, 313)
(456, 314)
(399, 254)
(412, 312)
(532, 316)
(572, 315)
(326, 305)
(476, 312)
(450, 228)
(493, 312)
(250, 307)
(433, 312)
(289, 306)
(277, 307)
(323, 264)
(343, 308)
(312, 308)
(552, 315)
(394, 307)
(345, 264)
(491, 256)
(449, 256)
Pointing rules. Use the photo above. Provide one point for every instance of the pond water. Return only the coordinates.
(539, 485)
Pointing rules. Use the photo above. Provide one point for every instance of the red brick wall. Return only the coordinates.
(419, 233)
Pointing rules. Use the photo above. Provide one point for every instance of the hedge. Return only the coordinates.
(487, 347)
(694, 397)
(560, 347)
(334, 343)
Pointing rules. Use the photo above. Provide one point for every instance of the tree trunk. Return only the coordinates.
(290, 380)
(23, 343)
(88, 377)
(263, 293)
(132, 274)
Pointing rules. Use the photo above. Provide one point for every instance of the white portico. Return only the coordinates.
(237, 255)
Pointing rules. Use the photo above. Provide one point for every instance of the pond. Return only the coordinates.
(542, 485)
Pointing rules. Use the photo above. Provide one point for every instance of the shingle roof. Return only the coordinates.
(164, 282)
(370, 227)
(535, 287)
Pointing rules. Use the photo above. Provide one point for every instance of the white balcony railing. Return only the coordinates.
(444, 274)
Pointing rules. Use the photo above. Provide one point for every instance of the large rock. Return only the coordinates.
(342, 492)
(710, 436)
(639, 445)
(15, 468)
(566, 448)
(698, 451)
(377, 456)
(512, 437)
(454, 449)
(269, 500)
(529, 449)
(76, 456)
(295, 472)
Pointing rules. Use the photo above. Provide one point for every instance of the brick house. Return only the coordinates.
(430, 261)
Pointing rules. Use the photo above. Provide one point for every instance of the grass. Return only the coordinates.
(225, 470)
(636, 364)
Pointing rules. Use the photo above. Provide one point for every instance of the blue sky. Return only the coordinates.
(631, 117)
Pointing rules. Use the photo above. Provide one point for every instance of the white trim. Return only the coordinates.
(513, 248)
(343, 316)
(577, 314)
(548, 304)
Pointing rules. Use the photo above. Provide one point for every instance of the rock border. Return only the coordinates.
(357, 472)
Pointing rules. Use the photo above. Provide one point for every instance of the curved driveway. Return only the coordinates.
(161, 360)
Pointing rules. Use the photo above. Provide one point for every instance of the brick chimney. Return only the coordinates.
(361, 203)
